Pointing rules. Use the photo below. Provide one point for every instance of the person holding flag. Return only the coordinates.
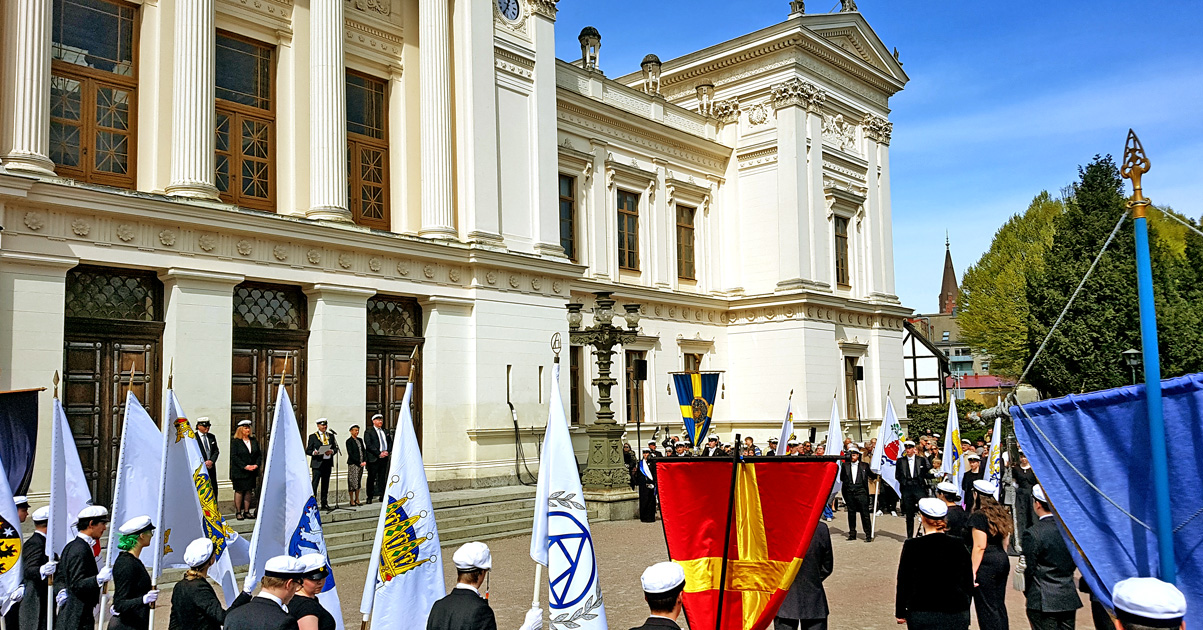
(77, 572)
(36, 567)
(194, 604)
(561, 539)
(12, 587)
(133, 594)
(835, 447)
(885, 456)
(994, 467)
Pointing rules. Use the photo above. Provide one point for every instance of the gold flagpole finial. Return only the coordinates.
(791, 393)
(284, 372)
(1136, 164)
(55, 381)
(170, 372)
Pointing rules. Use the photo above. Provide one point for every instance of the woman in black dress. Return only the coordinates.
(132, 591)
(927, 599)
(304, 607)
(244, 468)
(990, 527)
(1025, 480)
(194, 603)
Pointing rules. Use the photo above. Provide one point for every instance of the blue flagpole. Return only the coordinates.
(1136, 163)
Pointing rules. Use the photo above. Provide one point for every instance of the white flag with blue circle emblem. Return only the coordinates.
(289, 522)
(561, 540)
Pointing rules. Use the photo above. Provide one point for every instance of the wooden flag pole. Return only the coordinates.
(722, 580)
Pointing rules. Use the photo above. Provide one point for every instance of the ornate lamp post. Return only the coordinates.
(605, 468)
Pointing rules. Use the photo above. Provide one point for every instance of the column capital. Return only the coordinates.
(726, 111)
(39, 260)
(545, 8)
(444, 303)
(798, 93)
(199, 278)
(340, 293)
(877, 128)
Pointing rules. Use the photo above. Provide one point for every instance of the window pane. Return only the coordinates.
(112, 108)
(94, 34)
(255, 139)
(64, 144)
(65, 101)
(568, 216)
(628, 230)
(223, 132)
(223, 173)
(243, 72)
(112, 153)
(365, 106)
(254, 179)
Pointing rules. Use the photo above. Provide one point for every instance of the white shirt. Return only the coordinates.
(268, 596)
(914, 460)
(852, 466)
(1046, 516)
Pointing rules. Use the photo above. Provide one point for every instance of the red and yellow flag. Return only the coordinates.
(777, 505)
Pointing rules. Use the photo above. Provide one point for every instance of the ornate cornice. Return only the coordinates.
(546, 8)
(877, 129)
(798, 93)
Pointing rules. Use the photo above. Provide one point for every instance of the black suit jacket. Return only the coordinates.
(861, 487)
(656, 623)
(259, 613)
(917, 482)
(315, 443)
(209, 440)
(806, 598)
(922, 589)
(461, 609)
(130, 582)
(372, 442)
(240, 458)
(356, 451)
(1049, 576)
(194, 606)
(33, 607)
(77, 574)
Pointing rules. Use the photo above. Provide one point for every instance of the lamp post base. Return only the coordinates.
(605, 469)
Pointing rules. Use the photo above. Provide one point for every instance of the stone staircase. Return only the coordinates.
(461, 515)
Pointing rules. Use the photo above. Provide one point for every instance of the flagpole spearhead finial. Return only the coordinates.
(556, 345)
(1136, 163)
(170, 372)
(55, 380)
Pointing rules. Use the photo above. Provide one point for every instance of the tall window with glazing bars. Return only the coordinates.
(93, 91)
(367, 150)
(246, 122)
(568, 216)
(628, 230)
(841, 252)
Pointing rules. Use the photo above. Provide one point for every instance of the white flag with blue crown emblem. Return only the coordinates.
(288, 521)
(561, 540)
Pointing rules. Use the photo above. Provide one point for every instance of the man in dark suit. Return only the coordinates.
(282, 576)
(77, 573)
(376, 441)
(322, 448)
(36, 568)
(1052, 599)
(912, 473)
(854, 475)
(662, 584)
(465, 607)
(805, 606)
(209, 450)
(711, 449)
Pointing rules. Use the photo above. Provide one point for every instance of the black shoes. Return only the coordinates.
(852, 536)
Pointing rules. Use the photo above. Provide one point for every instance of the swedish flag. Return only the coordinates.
(695, 393)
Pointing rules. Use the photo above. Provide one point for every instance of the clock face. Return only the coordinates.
(509, 9)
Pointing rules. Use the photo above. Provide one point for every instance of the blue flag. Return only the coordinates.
(696, 392)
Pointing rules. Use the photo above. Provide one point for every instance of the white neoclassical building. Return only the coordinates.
(227, 193)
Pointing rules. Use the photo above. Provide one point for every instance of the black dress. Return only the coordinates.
(242, 479)
(989, 598)
(130, 582)
(300, 606)
(934, 600)
(195, 606)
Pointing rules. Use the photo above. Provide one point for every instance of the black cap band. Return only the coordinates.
(1130, 618)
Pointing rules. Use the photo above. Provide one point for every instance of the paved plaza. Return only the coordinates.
(860, 592)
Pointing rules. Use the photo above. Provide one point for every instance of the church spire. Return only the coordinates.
(948, 285)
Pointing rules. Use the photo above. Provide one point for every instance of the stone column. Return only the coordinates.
(338, 346)
(438, 220)
(328, 116)
(193, 141)
(795, 100)
(449, 407)
(547, 167)
(27, 86)
(197, 337)
(822, 230)
(31, 337)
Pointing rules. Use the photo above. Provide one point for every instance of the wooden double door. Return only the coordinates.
(102, 361)
(388, 370)
(260, 360)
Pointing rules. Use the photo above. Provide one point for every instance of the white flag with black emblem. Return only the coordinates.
(561, 540)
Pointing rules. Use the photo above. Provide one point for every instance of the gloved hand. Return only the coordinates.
(61, 598)
(248, 585)
(150, 597)
(104, 576)
(113, 612)
(534, 619)
(46, 570)
(13, 598)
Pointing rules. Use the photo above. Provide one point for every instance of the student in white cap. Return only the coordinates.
(1145, 603)
(282, 576)
(245, 457)
(974, 462)
(805, 605)
(22, 503)
(990, 527)
(663, 584)
(194, 603)
(132, 592)
(77, 573)
(956, 521)
(1052, 598)
(854, 475)
(466, 607)
(913, 471)
(36, 567)
(309, 613)
(933, 600)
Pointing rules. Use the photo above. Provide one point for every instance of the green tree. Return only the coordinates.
(934, 418)
(993, 305)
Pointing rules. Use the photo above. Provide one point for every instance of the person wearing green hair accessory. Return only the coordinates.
(133, 594)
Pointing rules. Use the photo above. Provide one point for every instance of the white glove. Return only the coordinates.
(13, 598)
(534, 619)
(61, 598)
(113, 612)
(150, 597)
(248, 585)
(104, 576)
(46, 570)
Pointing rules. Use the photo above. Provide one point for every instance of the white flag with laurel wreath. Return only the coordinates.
(560, 539)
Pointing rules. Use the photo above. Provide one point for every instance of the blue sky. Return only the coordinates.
(1006, 99)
